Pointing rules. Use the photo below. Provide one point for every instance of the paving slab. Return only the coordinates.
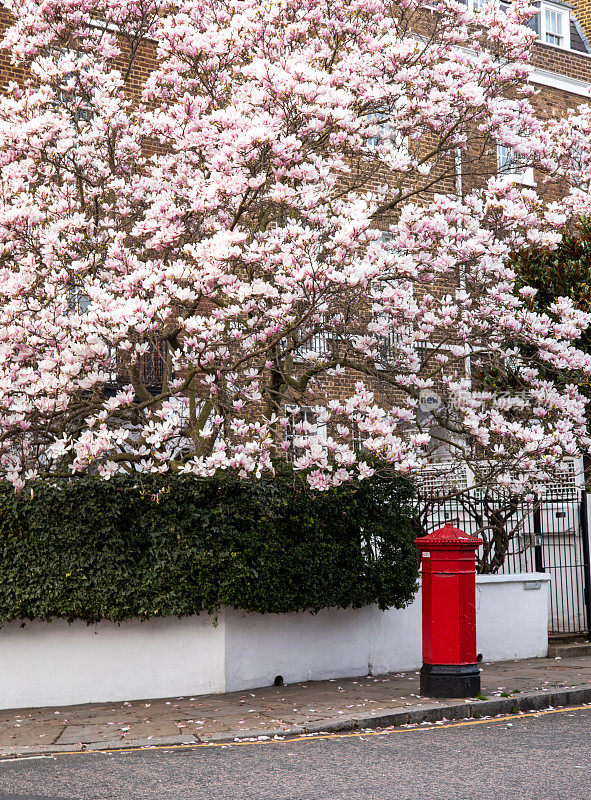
(313, 706)
(19, 734)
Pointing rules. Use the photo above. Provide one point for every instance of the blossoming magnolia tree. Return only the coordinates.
(272, 212)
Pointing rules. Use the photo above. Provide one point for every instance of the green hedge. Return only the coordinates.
(91, 550)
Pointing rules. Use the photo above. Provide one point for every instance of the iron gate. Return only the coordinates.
(550, 536)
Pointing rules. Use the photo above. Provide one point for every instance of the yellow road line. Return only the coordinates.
(311, 737)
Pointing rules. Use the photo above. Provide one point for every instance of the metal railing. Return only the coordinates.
(548, 535)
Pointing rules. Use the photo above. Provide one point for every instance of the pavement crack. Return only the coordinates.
(54, 741)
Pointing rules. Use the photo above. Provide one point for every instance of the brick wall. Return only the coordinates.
(549, 102)
(563, 62)
(141, 56)
(8, 72)
(583, 14)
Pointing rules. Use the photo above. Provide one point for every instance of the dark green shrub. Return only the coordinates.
(145, 546)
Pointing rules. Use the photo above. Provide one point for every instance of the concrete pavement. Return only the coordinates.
(341, 704)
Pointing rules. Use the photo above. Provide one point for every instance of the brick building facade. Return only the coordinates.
(561, 75)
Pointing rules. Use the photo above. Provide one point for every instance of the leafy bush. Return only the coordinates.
(146, 546)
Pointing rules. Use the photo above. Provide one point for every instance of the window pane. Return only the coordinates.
(553, 26)
(300, 422)
(70, 100)
(510, 164)
(505, 158)
(78, 300)
(382, 123)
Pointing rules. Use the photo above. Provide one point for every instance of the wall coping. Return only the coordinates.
(518, 577)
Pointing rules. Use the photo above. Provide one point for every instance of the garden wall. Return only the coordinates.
(58, 664)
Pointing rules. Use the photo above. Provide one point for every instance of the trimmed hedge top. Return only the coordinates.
(147, 546)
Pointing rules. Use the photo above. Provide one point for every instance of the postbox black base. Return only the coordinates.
(450, 680)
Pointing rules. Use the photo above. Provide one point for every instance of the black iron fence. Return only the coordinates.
(549, 534)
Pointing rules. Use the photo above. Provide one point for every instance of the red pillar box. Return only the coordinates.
(449, 614)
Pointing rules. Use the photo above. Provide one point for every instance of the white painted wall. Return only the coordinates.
(335, 643)
(512, 616)
(303, 646)
(396, 644)
(60, 664)
(46, 664)
(511, 622)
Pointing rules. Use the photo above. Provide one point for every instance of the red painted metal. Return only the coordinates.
(449, 596)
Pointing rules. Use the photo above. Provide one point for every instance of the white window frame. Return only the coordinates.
(385, 131)
(473, 6)
(114, 374)
(358, 437)
(65, 99)
(103, 25)
(541, 27)
(318, 346)
(576, 177)
(516, 172)
(391, 340)
(390, 343)
(78, 300)
(297, 415)
(561, 13)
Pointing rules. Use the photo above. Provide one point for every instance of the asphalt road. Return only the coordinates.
(545, 757)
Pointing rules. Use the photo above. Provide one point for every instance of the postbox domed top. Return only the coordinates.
(448, 536)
